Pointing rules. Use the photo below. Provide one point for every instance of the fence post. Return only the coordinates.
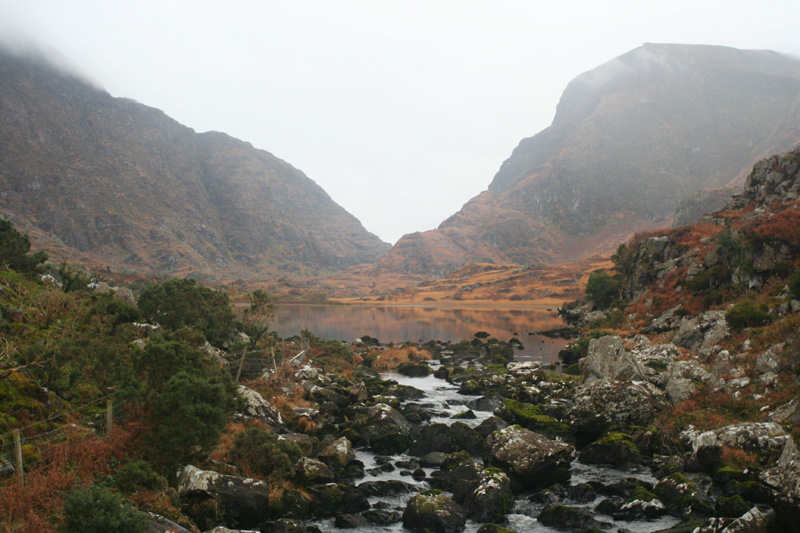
(109, 415)
(241, 364)
(18, 454)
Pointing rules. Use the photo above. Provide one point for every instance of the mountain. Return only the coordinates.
(121, 184)
(630, 141)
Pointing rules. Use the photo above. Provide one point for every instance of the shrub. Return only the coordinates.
(260, 454)
(96, 510)
(747, 314)
(794, 285)
(602, 289)
(134, 476)
(180, 303)
(14, 248)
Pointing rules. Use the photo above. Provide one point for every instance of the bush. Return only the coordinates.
(188, 416)
(14, 248)
(794, 285)
(260, 454)
(747, 314)
(602, 289)
(96, 510)
(138, 475)
(180, 303)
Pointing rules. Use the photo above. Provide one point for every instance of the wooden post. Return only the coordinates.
(241, 364)
(109, 415)
(18, 454)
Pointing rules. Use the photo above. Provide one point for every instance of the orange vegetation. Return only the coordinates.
(391, 358)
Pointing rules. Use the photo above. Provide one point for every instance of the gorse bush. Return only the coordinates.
(14, 247)
(260, 454)
(602, 289)
(96, 510)
(747, 314)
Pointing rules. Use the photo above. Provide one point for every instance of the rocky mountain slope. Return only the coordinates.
(630, 140)
(122, 184)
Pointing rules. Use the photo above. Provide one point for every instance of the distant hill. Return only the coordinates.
(121, 184)
(630, 141)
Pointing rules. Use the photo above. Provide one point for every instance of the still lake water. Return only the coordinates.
(423, 323)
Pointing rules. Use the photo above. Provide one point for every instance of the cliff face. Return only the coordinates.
(131, 188)
(630, 140)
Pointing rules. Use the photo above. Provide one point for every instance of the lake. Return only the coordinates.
(423, 323)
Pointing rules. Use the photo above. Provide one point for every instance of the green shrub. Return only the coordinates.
(14, 248)
(259, 453)
(794, 285)
(602, 289)
(747, 314)
(181, 303)
(96, 510)
(134, 476)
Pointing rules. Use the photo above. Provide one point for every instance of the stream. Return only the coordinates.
(443, 401)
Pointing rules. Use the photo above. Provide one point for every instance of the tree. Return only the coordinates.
(14, 248)
(179, 303)
(96, 510)
(256, 318)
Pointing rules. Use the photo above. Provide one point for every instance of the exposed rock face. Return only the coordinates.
(607, 359)
(245, 501)
(784, 478)
(122, 184)
(532, 459)
(601, 171)
(767, 439)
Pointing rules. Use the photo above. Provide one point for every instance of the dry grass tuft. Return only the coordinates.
(391, 358)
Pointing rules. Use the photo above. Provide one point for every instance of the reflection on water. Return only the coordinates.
(421, 324)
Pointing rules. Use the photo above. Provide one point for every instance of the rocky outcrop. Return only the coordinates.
(765, 439)
(784, 479)
(255, 406)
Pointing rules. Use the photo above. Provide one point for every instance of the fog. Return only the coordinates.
(401, 110)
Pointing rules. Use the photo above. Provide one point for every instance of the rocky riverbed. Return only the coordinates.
(474, 441)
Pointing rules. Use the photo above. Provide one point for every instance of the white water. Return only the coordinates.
(447, 402)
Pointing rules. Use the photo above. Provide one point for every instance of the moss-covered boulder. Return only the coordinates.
(491, 498)
(531, 417)
(682, 497)
(615, 448)
(433, 438)
(531, 459)
(434, 511)
(333, 499)
(567, 518)
(414, 370)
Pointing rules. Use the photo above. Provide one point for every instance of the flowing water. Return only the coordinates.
(446, 402)
(422, 324)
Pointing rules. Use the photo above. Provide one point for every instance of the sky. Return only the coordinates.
(402, 110)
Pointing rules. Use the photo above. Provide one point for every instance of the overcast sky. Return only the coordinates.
(401, 110)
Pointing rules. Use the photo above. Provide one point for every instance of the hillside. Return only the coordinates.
(116, 183)
(630, 141)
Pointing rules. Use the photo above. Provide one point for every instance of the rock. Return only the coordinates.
(767, 439)
(126, 295)
(414, 370)
(566, 518)
(433, 438)
(532, 460)
(769, 360)
(616, 449)
(285, 525)
(328, 394)
(160, 524)
(666, 321)
(432, 510)
(457, 472)
(338, 454)
(642, 505)
(313, 471)
(350, 521)
(756, 520)
(607, 359)
(596, 406)
(359, 393)
(467, 439)
(381, 517)
(432, 459)
(490, 425)
(682, 378)
(388, 487)
(245, 501)
(784, 479)
(491, 499)
(485, 403)
(255, 406)
(333, 499)
(531, 417)
(388, 431)
(702, 332)
(493, 528)
(682, 497)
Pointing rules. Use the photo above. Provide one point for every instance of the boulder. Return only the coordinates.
(255, 406)
(784, 479)
(491, 499)
(333, 499)
(607, 359)
(766, 439)
(339, 453)
(485, 403)
(567, 518)
(387, 430)
(596, 406)
(616, 449)
(245, 502)
(387, 487)
(702, 332)
(457, 472)
(683, 498)
(682, 378)
(285, 525)
(532, 460)
(769, 360)
(313, 471)
(414, 370)
(434, 511)
(433, 438)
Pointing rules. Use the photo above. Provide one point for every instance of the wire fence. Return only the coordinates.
(44, 441)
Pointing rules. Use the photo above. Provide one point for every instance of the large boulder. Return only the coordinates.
(607, 359)
(339, 453)
(255, 406)
(604, 403)
(434, 511)
(532, 460)
(387, 430)
(683, 377)
(244, 501)
(313, 471)
(433, 438)
(615, 448)
(490, 499)
(333, 499)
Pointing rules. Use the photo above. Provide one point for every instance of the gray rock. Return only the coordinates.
(766, 439)
(769, 361)
(531, 459)
(607, 359)
(434, 511)
(491, 499)
(313, 471)
(683, 377)
(784, 477)
(245, 501)
(339, 453)
(702, 332)
(255, 406)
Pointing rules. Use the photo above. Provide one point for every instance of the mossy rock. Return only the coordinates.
(732, 507)
(531, 417)
(614, 448)
(682, 497)
(414, 370)
(494, 528)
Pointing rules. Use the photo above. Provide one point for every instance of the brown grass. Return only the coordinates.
(391, 358)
